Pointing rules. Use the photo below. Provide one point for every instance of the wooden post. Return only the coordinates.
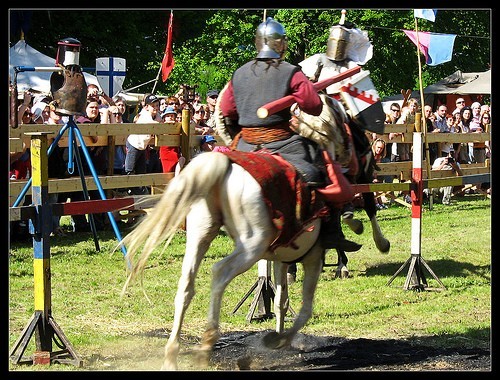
(421, 125)
(41, 323)
(186, 134)
(415, 279)
(41, 235)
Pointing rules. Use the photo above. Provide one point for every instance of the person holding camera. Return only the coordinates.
(445, 163)
(94, 93)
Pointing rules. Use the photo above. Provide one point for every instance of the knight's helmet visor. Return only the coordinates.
(338, 39)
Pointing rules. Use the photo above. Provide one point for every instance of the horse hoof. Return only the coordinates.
(169, 366)
(355, 225)
(342, 274)
(274, 340)
(202, 358)
(384, 246)
(244, 363)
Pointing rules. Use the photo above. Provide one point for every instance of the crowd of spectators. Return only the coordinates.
(473, 118)
(139, 155)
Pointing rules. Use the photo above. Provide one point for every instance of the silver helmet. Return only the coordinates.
(270, 39)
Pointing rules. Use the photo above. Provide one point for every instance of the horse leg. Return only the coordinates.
(381, 242)
(312, 264)
(248, 251)
(183, 297)
(342, 271)
(200, 232)
(355, 225)
(248, 222)
(281, 300)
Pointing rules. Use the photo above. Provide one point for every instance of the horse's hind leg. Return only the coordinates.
(183, 297)
(355, 225)
(200, 233)
(381, 242)
(281, 301)
(342, 271)
(312, 264)
(240, 260)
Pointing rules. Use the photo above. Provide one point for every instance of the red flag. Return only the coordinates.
(168, 60)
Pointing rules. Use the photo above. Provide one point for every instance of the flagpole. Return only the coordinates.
(156, 80)
(423, 126)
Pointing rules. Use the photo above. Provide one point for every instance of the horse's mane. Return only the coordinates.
(327, 129)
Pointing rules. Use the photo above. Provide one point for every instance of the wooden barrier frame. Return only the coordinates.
(42, 324)
(178, 134)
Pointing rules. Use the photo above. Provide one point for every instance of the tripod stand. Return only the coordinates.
(74, 134)
(264, 294)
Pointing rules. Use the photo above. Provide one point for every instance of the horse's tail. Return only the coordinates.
(194, 182)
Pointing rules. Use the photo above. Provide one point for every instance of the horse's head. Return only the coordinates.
(327, 129)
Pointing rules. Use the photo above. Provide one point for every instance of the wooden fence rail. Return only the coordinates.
(170, 135)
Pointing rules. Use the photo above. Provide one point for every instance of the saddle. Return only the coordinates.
(291, 202)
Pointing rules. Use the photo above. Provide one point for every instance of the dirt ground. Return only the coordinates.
(243, 351)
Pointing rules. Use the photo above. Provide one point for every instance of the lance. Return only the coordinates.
(286, 101)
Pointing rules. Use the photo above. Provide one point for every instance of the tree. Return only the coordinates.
(209, 45)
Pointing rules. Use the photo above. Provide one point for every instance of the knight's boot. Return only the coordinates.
(332, 237)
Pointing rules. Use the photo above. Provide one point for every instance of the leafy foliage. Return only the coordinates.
(209, 45)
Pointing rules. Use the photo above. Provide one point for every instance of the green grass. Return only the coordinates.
(105, 329)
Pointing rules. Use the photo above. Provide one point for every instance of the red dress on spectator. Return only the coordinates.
(169, 156)
(19, 168)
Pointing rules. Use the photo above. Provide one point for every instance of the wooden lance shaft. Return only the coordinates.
(286, 101)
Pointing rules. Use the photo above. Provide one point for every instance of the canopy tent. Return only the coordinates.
(131, 98)
(388, 100)
(470, 86)
(460, 83)
(22, 54)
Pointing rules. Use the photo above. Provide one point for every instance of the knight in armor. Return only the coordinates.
(348, 47)
(264, 79)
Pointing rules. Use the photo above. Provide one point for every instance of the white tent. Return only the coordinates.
(458, 83)
(462, 84)
(470, 86)
(22, 54)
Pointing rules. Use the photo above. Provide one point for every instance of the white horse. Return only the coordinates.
(210, 192)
